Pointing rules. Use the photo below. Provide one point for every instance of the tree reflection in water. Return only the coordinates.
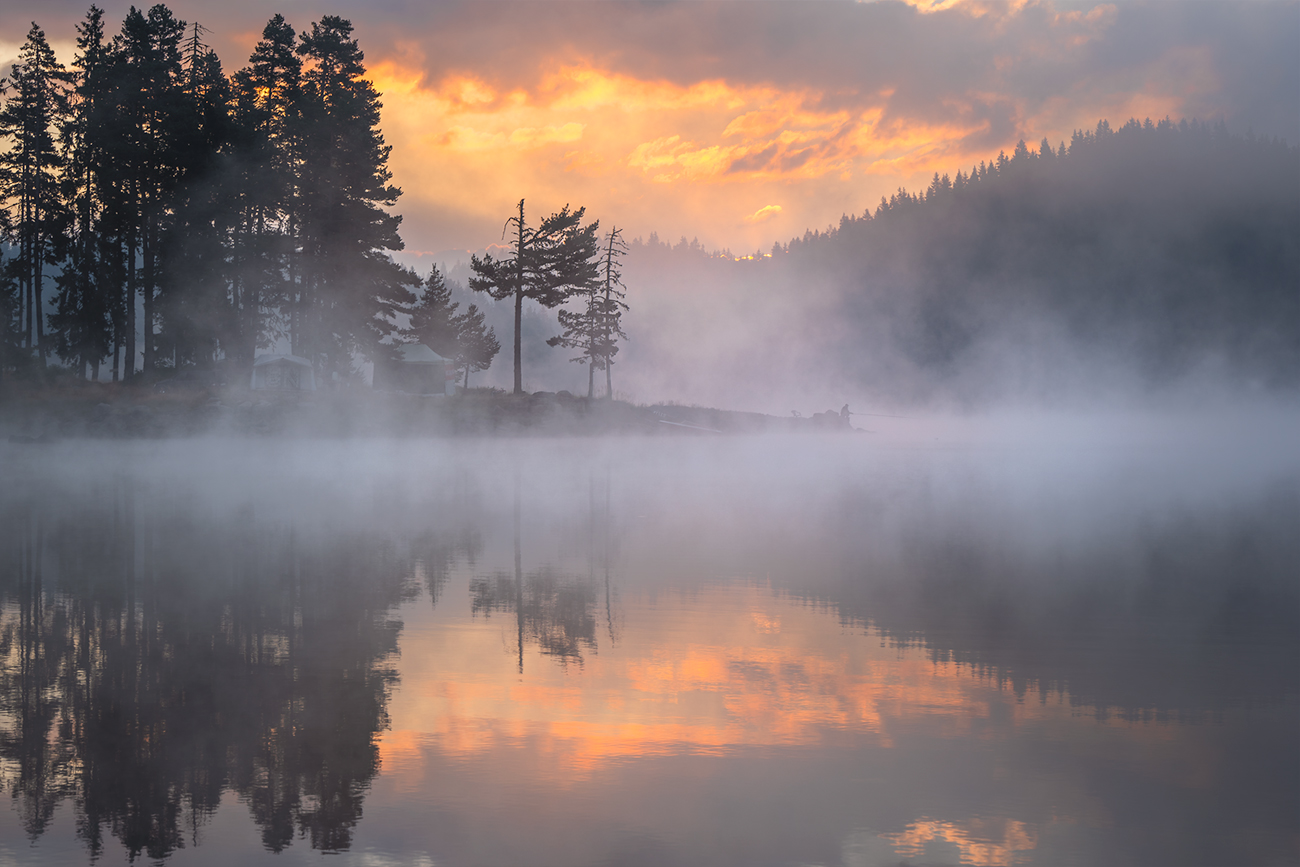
(956, 654)
(155, 656)
(557, 612)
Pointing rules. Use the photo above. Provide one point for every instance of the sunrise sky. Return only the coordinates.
(744, 123)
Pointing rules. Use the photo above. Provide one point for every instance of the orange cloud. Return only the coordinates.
(766, 212)
(684, 157)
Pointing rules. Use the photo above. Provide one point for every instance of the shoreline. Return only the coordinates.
(116, 411)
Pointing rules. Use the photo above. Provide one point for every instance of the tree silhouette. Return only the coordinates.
(434, 321)
(267, 150)
(83, 323)
(547, 264)
(155, 658)
(30, 176)
(349, 290)
(595, 329)
(476, 344)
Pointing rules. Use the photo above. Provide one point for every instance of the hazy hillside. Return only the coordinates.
(1152, 258)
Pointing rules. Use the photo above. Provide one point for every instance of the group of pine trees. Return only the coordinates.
(226, 212)
(1164, 249)
(176, 216)
(556, 261)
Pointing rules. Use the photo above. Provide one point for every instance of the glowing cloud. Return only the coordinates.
(661, 134)
(766, 212)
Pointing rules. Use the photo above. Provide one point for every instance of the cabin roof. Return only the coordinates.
(418, 353)
(272, 358)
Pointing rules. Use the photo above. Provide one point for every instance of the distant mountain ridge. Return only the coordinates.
(1143, 257)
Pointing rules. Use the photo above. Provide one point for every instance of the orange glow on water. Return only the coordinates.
(736, 667)
(982, 842)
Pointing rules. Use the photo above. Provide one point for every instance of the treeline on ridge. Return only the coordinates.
(1166, 248)
(1156, 250)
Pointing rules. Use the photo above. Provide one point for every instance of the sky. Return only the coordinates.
(744, 123)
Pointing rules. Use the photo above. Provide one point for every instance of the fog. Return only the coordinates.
(613, 650)
(1150, 265)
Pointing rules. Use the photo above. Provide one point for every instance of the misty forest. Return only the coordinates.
(958, 531)
(160, 215)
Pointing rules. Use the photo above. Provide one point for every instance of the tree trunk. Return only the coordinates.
(591, 378)
(128, 366)
(40, 317)
(27, 281)
(149, 277)
(609, 383)
(38, 272)
(519, 314)
(519, 302)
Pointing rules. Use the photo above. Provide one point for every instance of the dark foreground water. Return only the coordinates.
(1052, 648)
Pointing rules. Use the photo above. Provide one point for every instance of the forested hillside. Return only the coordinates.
(1171, 246)
(159, 213)
(1153, 256)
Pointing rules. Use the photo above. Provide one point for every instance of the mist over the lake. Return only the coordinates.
(679, 434)
(377, 646)
(1151, 265)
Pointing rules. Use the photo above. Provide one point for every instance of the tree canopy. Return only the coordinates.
(223, 212)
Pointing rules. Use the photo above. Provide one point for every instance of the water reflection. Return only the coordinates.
(553, 611)
(156, 655)
(511, 653)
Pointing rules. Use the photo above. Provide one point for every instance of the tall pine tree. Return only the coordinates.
(595, 329)
(144, 133)
(194, 311)
(30, 171)
(84, 316)
(267, 151)
(349, 290)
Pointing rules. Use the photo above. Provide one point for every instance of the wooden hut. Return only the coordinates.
(419, 370)
(282, 373)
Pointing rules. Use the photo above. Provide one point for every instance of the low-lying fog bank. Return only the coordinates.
(988, 539)
(101, 412)
(858, 629)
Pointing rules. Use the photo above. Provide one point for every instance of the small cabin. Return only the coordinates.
(282, 373)
(418, 370)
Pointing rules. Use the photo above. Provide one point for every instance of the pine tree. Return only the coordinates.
(433, 319)
(462, 337)
(611, 306)
(476, 344)
(143, 133)
(30, 170)
(546, 265)
(194, 312)
(349, 291)
(83, 321)
(267, 150)
(595, 329)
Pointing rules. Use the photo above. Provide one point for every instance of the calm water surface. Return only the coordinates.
(841, 651)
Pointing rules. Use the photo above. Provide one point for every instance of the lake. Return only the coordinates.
(1046, 644)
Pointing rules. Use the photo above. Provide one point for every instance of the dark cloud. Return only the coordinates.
(933, 63)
